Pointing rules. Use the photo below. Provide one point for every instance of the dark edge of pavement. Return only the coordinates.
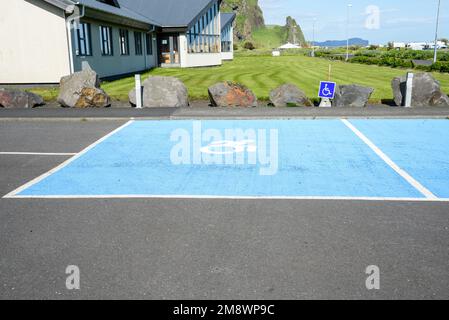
(224, 113)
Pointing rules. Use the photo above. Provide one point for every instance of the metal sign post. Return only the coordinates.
(409, 90)
(138, 92)
(327, 91)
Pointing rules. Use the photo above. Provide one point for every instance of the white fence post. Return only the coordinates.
(138, 92)
(409, 90)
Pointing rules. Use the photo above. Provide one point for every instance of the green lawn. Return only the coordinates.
(264, 73)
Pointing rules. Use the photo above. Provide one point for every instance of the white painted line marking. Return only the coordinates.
(418, 186)
(208, 197)
(65, 163)
(36, 154)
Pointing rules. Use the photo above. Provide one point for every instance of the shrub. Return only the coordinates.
(370, 53)
(365, 60)
(443, 56)
(393, 58)
(354, 47)
(440, 66)
(249, 45)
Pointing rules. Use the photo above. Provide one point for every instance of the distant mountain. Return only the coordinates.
(342, 43)
(249, 17)
(294, 32)
(273, 36)
(250, 26)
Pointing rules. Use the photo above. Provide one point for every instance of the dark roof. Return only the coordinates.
(163, 13)
(226, 18)
(100, 6)
(169, 13)
(122, 11)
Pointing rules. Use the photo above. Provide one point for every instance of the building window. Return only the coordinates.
(149, 44)
(106, 41)
(204, 35)
(124, 42)
(226, 39)
(83, 44)
(138, 43)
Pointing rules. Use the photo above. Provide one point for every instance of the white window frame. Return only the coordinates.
(124, 42)
(83, 45)
(106, 41)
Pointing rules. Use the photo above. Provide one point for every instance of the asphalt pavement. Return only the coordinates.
(204, 249)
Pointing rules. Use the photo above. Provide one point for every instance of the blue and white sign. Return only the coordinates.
(327, 90)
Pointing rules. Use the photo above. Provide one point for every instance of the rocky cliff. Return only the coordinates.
(249, 17)
(294, 32)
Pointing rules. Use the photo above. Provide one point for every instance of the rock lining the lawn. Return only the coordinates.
(289, 95)
(426, 91)
(15, 99)
(352, 95)
(162, 92)
(82, 90)
(231, 94)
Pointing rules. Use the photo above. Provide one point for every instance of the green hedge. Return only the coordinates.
(441, 66)
(402, 59)
(437, 67)
(383, 61)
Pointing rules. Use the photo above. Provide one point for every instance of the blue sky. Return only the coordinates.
(400, 20)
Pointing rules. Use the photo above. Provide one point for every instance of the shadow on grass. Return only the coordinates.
(388, 102)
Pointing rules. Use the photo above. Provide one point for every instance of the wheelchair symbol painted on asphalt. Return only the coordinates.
(327, 90)
(230, 147)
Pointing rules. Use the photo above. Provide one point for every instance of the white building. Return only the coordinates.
(440, 45)
(43, 40)
(289, 45)
(417, 45)
(399, 45)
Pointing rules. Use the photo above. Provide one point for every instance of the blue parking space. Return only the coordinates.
(420, 147)
(266, 158)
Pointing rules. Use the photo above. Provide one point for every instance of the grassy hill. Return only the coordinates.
(250, 26)
(249, 17)
(270, 37)
(273, 36)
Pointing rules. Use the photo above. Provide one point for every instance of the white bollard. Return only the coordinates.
(325, 103)
(138, 92)
(409, 90)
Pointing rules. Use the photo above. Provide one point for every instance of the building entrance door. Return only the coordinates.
(168, 49)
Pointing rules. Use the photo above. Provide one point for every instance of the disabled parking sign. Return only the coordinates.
(327, 90)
